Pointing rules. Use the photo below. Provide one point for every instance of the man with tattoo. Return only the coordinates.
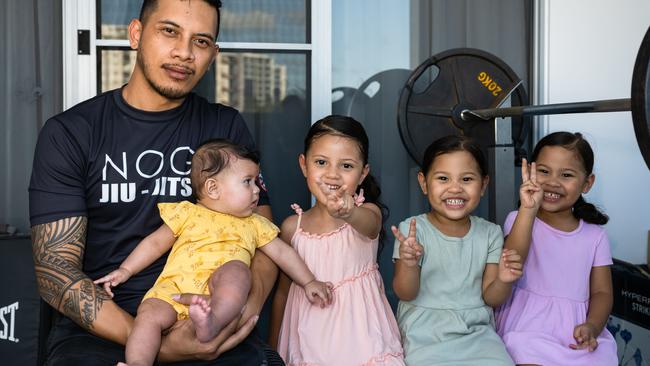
(101, 167)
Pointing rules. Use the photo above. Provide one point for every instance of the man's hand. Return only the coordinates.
(180, 343)
(113, 279)
(410, 250)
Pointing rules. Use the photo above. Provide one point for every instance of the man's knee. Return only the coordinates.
(85, 350)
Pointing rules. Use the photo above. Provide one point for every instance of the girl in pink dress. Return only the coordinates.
(559, 307)
(338, 239)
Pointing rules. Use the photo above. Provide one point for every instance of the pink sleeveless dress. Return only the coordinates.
(359, 327)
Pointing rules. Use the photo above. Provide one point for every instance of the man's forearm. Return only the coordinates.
(263, 269)
(58, 249)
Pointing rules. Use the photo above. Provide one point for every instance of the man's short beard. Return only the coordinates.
(169, 93)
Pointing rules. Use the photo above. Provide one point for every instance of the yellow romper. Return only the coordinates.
(206, 240)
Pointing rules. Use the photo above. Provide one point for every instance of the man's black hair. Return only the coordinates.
(150, 5)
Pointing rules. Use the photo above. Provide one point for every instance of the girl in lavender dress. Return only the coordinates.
(559, 308)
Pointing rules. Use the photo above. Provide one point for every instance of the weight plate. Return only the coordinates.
(341, 99)
(641, 99)
(374, 104)
(449, 82)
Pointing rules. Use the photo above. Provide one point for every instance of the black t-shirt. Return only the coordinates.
(112, 163)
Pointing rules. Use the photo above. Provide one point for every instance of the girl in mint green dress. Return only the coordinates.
(449, 267)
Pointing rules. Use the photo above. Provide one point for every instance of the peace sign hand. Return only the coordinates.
(410, 250)
(531, 193)
(339, 203)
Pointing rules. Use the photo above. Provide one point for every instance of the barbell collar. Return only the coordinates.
(606, 105)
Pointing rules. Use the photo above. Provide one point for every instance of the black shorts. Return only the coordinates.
(66, 349)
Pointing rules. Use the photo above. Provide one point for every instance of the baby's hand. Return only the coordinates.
(340, 203)
(585, 336)
(531, 193)
(113, 279)
(410, 250)
(319, 292)
(510, 266)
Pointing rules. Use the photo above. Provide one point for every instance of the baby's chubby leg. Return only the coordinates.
(229, 286)
(154, 316)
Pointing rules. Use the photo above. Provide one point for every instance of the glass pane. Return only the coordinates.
(115, 68)
(114, 17)
(270, 90)
(243, 20)
(264, 21)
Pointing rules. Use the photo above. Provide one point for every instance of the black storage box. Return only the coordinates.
(630, 320)
(21, 310)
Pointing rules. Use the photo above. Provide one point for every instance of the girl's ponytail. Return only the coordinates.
(371, 192)
(588, 212)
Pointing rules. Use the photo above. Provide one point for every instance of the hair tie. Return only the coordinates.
(359, 198)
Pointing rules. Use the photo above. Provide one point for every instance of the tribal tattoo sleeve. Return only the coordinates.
(58, 249)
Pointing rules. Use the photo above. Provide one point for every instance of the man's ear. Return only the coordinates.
(215, 54)
(135, 32)
(211, 187)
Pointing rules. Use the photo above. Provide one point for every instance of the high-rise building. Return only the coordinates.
(116, 65)
(250, 81)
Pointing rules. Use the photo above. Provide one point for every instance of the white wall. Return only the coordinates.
(588, 49)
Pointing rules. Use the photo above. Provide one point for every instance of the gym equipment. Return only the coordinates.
(430, 105)
(640, 99)
(462, 91)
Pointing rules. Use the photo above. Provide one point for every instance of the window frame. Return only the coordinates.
(80, 71)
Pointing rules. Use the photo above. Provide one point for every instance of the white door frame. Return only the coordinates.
(539, 91)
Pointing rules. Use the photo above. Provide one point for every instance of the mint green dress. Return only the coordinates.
(448, 323)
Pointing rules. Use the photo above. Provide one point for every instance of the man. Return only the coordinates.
(101, 167)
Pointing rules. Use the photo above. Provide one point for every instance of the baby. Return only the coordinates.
(212, 243)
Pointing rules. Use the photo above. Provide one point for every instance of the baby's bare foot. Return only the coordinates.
(203, 319)
(121, 364)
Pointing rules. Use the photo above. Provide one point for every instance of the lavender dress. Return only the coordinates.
(552, 297)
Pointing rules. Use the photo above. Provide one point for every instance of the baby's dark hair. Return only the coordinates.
(576, 143)
(212, 157)
(453, 143)
(350, 128)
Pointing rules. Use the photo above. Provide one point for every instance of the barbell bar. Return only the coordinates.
(605, 105)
